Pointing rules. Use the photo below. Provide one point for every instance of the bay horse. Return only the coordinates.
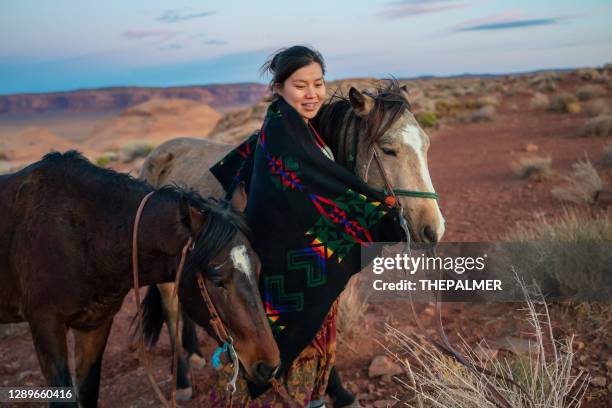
(351, 126)
(65, 263)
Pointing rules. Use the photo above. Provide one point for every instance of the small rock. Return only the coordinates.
(364, 397)
(599, 381)
(531, 147)
(579, 345)
(382, 365)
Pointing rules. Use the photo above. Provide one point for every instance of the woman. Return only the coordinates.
(301, 208)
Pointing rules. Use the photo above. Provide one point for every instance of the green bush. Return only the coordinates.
(427, 120)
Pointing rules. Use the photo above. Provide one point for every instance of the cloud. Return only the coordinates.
(412, 8)
(173, 46)
(143, 34)
(175, 16)
(510, 24)
(214, 42)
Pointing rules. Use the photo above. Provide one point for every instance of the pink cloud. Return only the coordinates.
(412, 8)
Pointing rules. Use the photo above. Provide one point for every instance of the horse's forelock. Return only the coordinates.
(221, 226)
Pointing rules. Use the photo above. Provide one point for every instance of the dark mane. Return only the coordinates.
(222, 221)
(336, 117)
(73, 164)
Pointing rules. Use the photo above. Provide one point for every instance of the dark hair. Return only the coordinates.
(284, 62)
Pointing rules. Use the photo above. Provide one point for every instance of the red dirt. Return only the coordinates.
(480, 198)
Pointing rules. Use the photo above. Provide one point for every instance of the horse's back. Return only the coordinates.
(186, 162)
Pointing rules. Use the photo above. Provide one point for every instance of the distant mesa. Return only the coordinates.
(120, 98)
(155, 121)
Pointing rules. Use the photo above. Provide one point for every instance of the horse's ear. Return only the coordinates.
(155, 167)
(239, 197)
(192, 217)
(404, 91)
(362, 103)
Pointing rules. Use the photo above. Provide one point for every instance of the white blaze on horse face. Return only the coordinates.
(241, 261)
(411, 136)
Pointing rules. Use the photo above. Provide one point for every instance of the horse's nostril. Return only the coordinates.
(263, 371)
(429, 234)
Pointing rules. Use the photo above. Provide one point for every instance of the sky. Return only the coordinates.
(67, 44)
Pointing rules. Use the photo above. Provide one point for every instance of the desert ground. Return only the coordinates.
(506, 152)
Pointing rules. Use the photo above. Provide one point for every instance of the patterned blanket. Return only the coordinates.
(309, 217)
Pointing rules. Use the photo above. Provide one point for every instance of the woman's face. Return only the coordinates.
(304, 90)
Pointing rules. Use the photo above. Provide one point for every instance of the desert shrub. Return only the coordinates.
(539, 101)
(488, 100)
(570, 252)
(445, 107)
(581, 185)
(588, 92)
(531, 166)
(484, 114)
(589, 74)
(427, 120)
(598, 126)
(597, 107)
(134, 150)
(564, 103)
(547, 86)
(107, 158)
(545, 373)
(606, 158)
(352, 306)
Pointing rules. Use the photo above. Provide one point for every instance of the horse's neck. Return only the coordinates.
(340, 138)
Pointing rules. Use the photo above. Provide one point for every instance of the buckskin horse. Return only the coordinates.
(65, 263)
(356, 128)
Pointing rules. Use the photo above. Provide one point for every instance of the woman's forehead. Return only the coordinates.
(310, 72)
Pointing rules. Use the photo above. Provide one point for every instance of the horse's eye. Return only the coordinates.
(219, 283)
(388, 151)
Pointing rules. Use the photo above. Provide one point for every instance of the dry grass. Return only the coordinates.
(597, 107)
(570, 252)
(539, 101)
(484, 114)
(545, 374)
(581, 186)
(134, 150)
(532, 166)
(564, 103)
(598, 126)
(588, 92)
(352, 306)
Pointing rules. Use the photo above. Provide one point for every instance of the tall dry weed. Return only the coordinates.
(581, 185)
(545, 373)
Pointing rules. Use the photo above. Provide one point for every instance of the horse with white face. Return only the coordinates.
(376, 136)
